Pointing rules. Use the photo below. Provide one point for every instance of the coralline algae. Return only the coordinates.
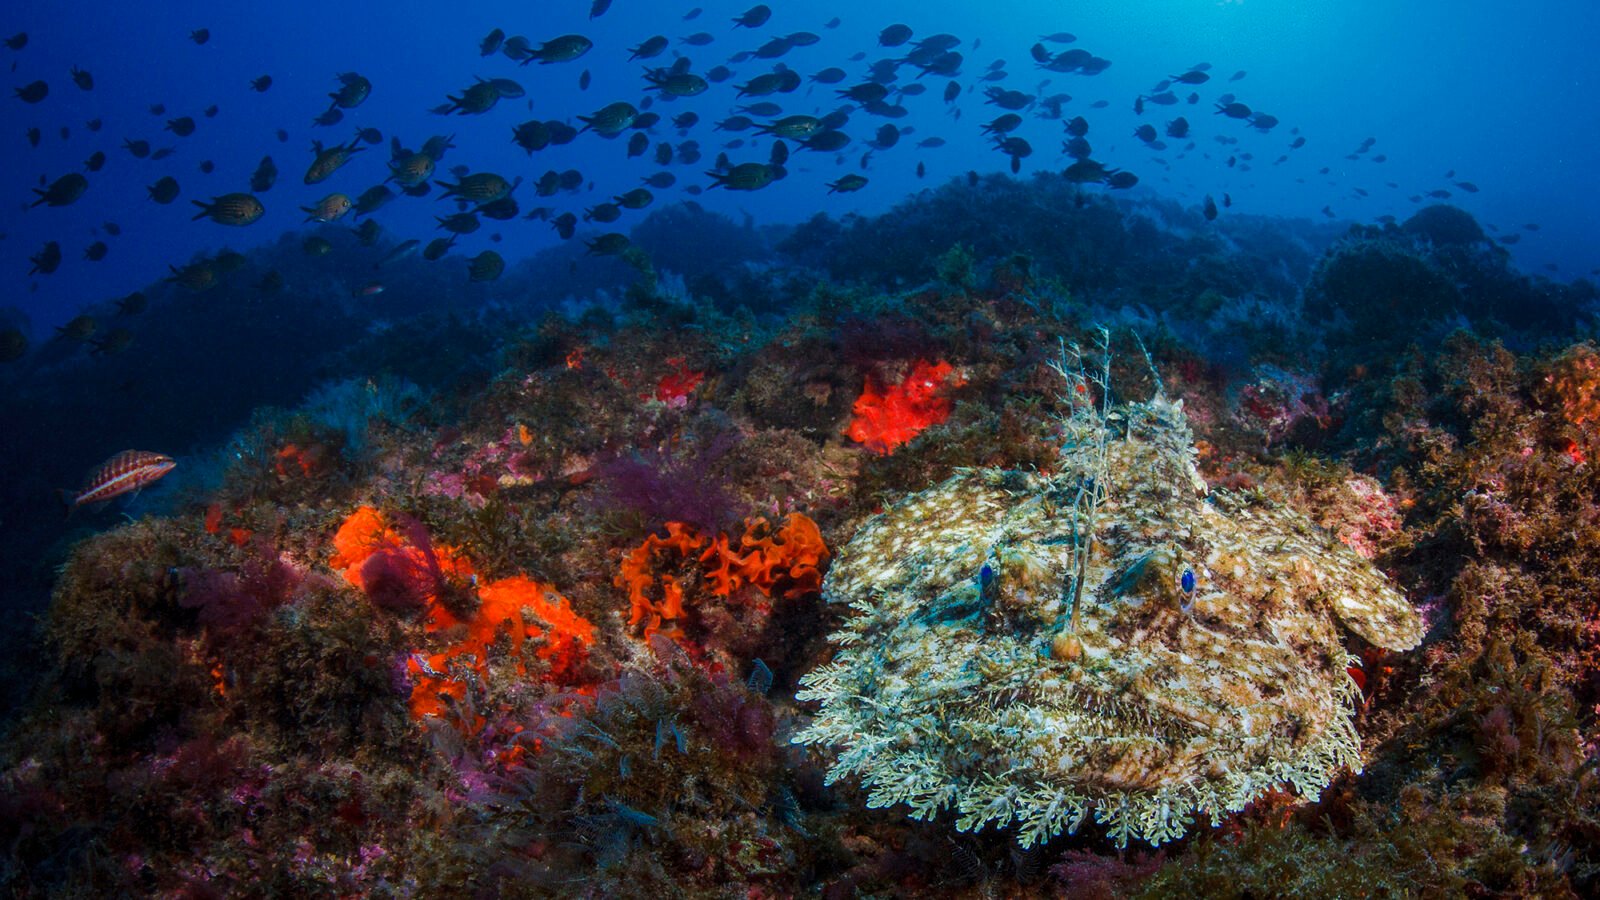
(1113, 637)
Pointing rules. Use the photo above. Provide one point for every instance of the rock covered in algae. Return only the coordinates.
(1114, 638)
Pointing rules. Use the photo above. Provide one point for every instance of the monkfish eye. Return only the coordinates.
(1187, 582)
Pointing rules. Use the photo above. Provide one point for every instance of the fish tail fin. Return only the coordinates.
(68, 502)
(205, 210)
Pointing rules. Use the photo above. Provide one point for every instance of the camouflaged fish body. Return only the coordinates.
(965, 679)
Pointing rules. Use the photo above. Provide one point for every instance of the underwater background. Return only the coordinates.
(447, 451)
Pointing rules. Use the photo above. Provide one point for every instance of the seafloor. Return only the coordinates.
(516, 604)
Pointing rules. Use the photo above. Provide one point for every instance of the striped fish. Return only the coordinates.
(129, 470)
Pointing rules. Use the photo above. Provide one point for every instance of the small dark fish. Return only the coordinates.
(17, 41)
(283, 136)
(751, 176)
(112, 228)
(82, 79)
(165, 190)
(638, 198)
(33, 137)
(329, 208)
(437, 248)
(827, 141)
(848, 184)
(326, 161)
(368, 233)
(638, 144)
(597, 8)
(372, 199)
(1467, 186)
(265, 176)
(261, 84)
(1237, 75)
(482, 187)
(93, 125)
(661, 180)
(491, 42)
(33, 93)
(158, 109)
(1178, 128)
(1209, 210)
(460, 223)
(1121, 180)
(115, 341)
(200, 35)
(603, 212)
(698, 39)
(677, 84)
(1004, 124)
(610, 120)
(565, 48)
(95, 161)
(517, 48)
(610, 244)
(353, 90)
(163, 152)
(133, 304)
(63, 191)
(210, 112)
(531, 135)
(754, 17)
(331, 117)
(486, 266)
(182, 126)
(565, 225)
(231, 209)
(649, 48)
(584, 80)
(894, 35)
(46, 260)
(370, 289)
(503, 209)
(95, 251)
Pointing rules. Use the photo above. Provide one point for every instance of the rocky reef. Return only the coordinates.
(533, 600)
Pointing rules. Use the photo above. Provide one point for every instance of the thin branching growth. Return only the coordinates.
(1086, 424)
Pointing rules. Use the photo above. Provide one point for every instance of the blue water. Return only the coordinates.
(1501, 95)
